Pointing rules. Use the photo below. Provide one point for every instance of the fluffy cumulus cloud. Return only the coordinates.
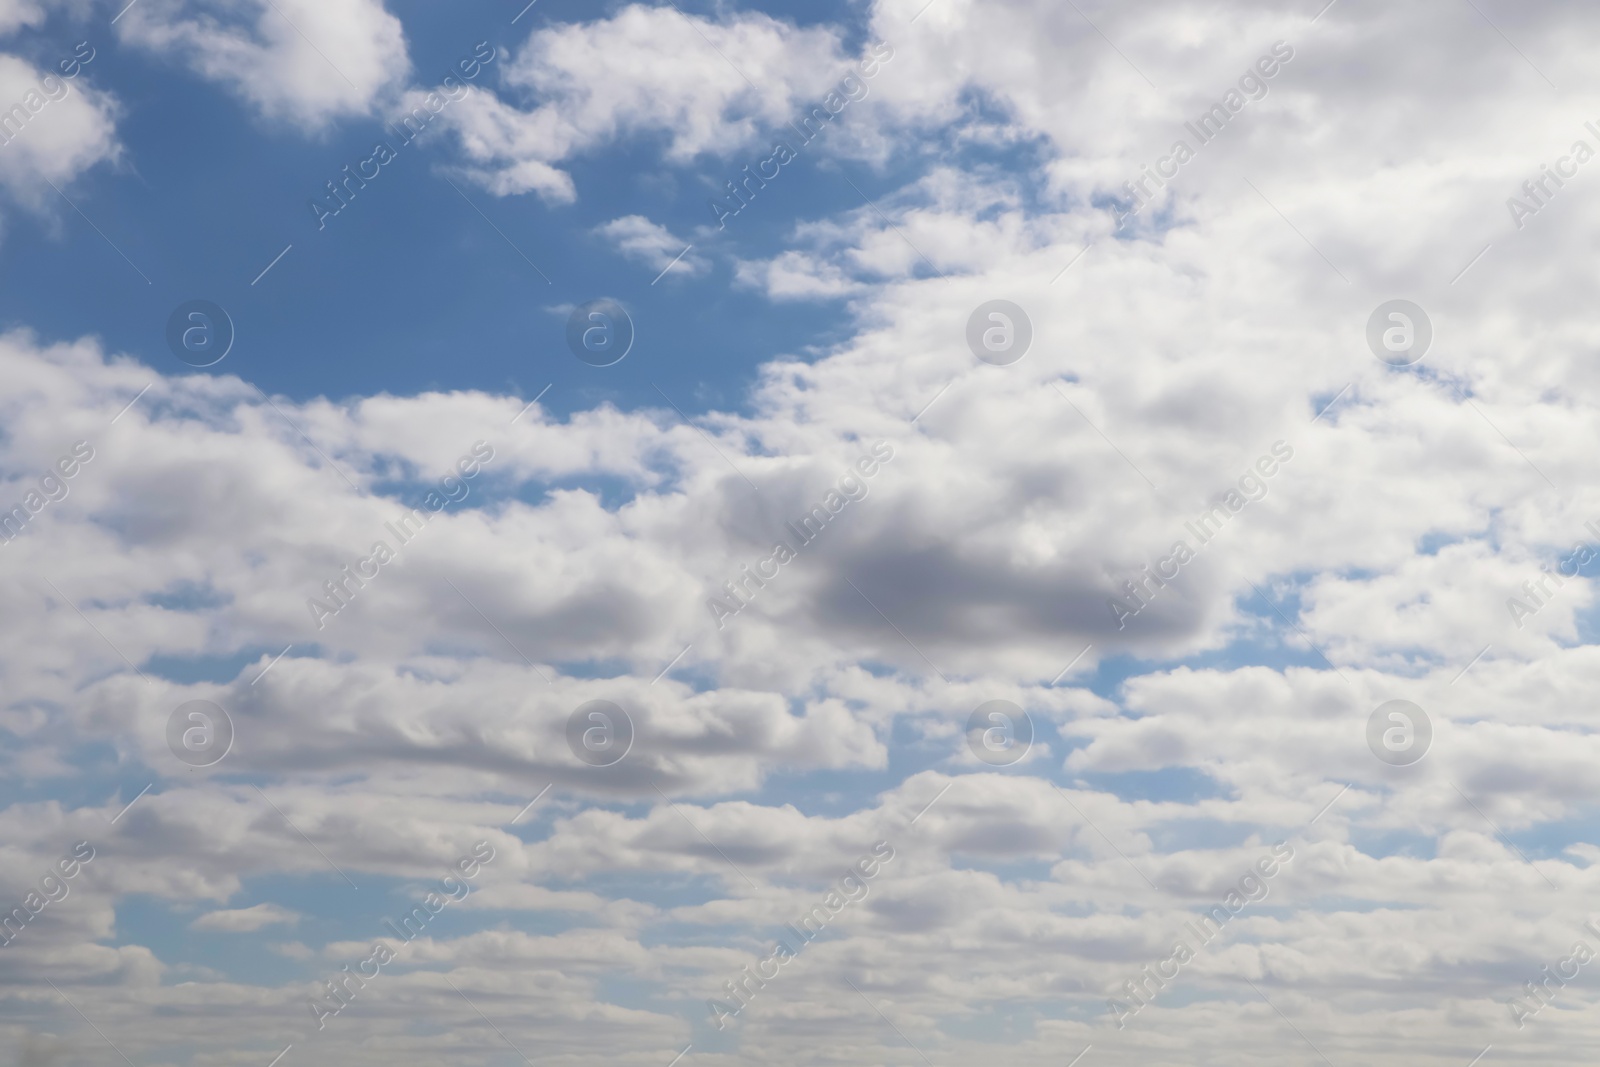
(650, 243)
(573, 87)
(56, 121)
(15, 14)
(1198, 533)
(54, 127)
(300, 61)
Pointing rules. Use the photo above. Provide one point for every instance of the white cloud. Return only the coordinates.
(829, 713)
(302, 61)
(15, 14)
(54, 128)
(652, 244)
(587, 84)
(244, 920)
(949, 221)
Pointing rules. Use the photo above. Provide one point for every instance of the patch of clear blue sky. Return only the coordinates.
(409, 288)
(327, 910)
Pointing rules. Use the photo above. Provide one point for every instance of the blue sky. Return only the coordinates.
(411, 290)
